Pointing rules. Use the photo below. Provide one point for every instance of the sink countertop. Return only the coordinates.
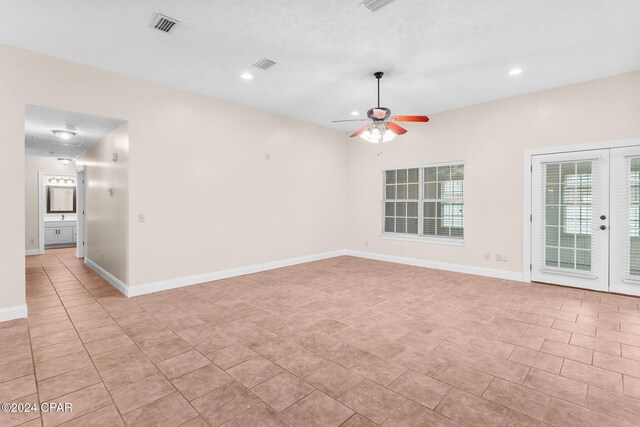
(60, 220)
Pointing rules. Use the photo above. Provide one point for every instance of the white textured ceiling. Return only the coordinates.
(437, 54)
(41, 142)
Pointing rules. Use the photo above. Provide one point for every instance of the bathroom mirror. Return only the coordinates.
(61, 200)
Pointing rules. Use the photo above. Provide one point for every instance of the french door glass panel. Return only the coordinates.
(569, 248)
(625, 220)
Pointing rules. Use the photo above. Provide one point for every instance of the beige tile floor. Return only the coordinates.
(343, 341)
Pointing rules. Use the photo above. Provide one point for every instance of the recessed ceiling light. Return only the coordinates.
(65, 135)
(355, 113)
(246, 76)
(515, 71)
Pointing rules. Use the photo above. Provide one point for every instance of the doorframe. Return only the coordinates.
(80, 212)
(527, 210)
(42, 203)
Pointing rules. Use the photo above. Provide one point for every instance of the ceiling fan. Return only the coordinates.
(382, 127)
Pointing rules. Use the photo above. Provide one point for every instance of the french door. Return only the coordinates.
(586, 219)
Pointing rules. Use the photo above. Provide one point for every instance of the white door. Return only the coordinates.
(625, 220)
(570, 219)
(65, 235)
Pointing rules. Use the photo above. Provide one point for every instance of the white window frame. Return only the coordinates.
(420, 238)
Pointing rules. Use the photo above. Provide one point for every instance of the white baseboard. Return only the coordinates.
(459, 268)
(164, 285)
(11, 313)
(117, 283)
(30, 252)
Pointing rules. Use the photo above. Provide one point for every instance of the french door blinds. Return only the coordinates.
(586, 219)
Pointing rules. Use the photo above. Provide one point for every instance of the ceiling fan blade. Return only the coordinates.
(348, 120)
(398, 130)
(359, 131)
(411, 118)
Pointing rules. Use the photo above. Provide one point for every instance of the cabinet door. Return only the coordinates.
(65, 235)
(50, 236)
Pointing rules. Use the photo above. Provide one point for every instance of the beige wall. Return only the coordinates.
(33, 165)
(106, 212)
(491, 138)
(197, 170)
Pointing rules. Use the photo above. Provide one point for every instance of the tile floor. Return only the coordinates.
(340, 342)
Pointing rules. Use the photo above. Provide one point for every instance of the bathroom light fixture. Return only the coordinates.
(65, 135)
(57, 180)
(355, 113)
(65, 161)
(515, 71)
(246, 76)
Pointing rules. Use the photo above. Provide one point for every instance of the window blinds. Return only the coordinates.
(569, 197)
(425, 201)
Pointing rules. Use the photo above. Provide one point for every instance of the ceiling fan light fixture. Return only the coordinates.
(515, 71)
(64, 135)
(378, 134)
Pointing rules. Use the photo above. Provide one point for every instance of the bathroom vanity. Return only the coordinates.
(60, 232)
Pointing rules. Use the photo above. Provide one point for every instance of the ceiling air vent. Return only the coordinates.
(374, 5)
(264, 64)
(164, 23)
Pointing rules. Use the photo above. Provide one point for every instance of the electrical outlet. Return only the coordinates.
(140, 217)
(502, 258)
(366, 243)
(32, 240)
(487, 256)
(267, 156)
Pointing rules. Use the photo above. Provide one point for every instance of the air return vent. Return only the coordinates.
(374, 5)
(164, 23)
(264, 64)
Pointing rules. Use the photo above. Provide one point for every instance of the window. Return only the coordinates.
(425, 202)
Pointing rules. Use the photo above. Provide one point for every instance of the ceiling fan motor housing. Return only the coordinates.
(379, 114)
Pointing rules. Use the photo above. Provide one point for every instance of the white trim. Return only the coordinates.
(164, 285)
(117, 283)
(526, 220)
(80, 213)
(618, 143)
(420, 200)
(426, 239)
(527, 208)
(30, 252)
(42, 203)
(459, 268)
(11, 313)
(427, 165)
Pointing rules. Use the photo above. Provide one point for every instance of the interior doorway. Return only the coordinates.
(57, 142)
(585, 219)
(57, 209)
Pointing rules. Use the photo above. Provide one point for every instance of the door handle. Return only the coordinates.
(603, 227)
